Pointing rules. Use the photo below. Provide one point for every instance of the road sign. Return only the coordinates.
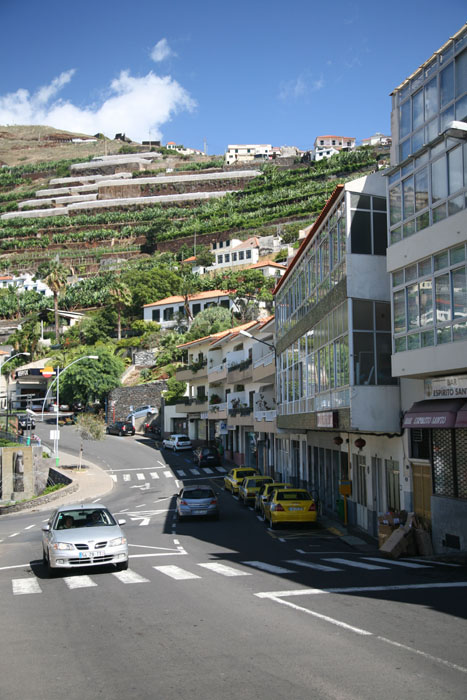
(54, 435)
(47, 372)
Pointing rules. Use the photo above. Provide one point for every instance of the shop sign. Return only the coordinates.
(223, 430)
(326, 419)
(446, 387)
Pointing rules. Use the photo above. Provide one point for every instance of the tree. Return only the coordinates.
(120, 295)
(249, 287)
(89, 427)
(209, 321)
(26, 338)
(204, 257)
(91, 380)
(55, 276)
(175, 390)
(150, 285)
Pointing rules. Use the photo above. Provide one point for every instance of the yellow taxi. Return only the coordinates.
(236, 476)
(264, 494)
(250, 486)
(290, 506)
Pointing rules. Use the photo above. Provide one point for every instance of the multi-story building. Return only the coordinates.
(338, 405)
(427, 261)
(327, 146)
(238, 153)
(230, 395)
(377, 139)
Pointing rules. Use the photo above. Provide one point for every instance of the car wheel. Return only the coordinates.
(123, 566)
(107, 431)
(44, 557)
(120, 433)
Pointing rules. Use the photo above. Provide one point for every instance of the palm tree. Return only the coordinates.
(55, 277)
(121, 296)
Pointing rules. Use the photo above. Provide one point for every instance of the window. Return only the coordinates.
(368, 229)
(220, 258)
(156, 315)
(360, 474)
(225, 303)
(195, 309)
(392, 484)
(234, 257)
(241, 255)
(372, 343)
(227, 257)
(248, 254)
(168, 314)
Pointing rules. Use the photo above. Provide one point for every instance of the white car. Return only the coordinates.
(177, 442)
(142, 411)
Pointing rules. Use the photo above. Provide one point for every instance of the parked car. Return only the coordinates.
(177, 442)
(235, 477)
(25, 422)
(265, 492)
(250, 486)
(207, 457)
(77, 536)
(141, 411)
(121, 427)
(197, 501)
(290, 506)
(152, 427)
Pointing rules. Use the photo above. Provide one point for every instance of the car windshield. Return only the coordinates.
(293, 496)
(182, 437)
(244, 473)
(84, 517)
(198, 493)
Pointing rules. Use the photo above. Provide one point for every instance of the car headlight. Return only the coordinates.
(117, 542)
(62, 545)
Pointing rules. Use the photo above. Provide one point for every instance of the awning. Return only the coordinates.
(434, 414)
(461, 420)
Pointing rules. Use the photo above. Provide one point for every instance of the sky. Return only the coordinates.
(212, 72)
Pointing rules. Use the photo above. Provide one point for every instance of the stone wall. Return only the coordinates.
(126, 396)
(144, 358)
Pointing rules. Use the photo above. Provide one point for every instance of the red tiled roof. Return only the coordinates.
(267, 264)
(252, 242)
(211, 294)
(220, 334)
(332, 136)
(192, 258)
(313, 228)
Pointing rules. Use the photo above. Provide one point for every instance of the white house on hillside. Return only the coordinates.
(327, 146)
(244, 152)
(168, 311)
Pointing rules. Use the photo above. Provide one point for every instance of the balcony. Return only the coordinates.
(265, 421)
(241, 416)
(264, 369)
(240, 371)
(217, 373)
(217, 411)
(190, 405)
(194, 370)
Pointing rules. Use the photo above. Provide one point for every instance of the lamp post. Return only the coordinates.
(57, 380)
(249, 335)
(28, 354)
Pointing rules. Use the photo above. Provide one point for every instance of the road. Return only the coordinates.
(222, 609)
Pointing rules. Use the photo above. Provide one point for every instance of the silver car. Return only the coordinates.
(197, 501)
(83, 535)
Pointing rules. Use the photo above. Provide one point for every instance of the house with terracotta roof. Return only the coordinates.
(172, 311)
(328, 145)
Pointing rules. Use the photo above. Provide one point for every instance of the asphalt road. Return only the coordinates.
(223, 609)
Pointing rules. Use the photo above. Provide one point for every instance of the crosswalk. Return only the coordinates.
(151, 475)
(30, 585)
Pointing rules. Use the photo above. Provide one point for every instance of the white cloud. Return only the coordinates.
(161, 51)
(135, 106)
(299, 87)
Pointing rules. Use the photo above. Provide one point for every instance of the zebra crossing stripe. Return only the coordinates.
(207, 470)
(130, 577)
(154, 475)
(176, 572)
(221, 470)
(23, 586)
(180, 472)
(357, 564)
(127, 477)
(140, 476)
(312, 565)
(268, 567)
(196, 472)
(406, 564)
(79, 582)
(224, 570)
(168, 475)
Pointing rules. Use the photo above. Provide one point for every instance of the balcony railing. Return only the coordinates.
(217, 407)
(244, 364)
(265, 360)
(267, 416)
(244, 411)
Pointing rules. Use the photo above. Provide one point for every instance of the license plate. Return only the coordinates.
(295, 508)
(200, 512)
(101, 553)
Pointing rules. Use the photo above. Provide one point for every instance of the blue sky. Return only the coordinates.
(243, 72)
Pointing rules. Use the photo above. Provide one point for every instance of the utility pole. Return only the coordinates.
(205, 146)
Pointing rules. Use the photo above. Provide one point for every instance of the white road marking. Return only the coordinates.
(127, 477)
(310, 565)
(178, 483)
(144, 521)
(176, 572)
(207, 470)
(195, 471)
(113, 476)
(23, 586)
(15, 566)
(439, 563)
(168, 475)
(14, 534)
(224, 570)
(406, 564)
(163, 463)
(29, 527)
(180, 472)
(154, 475)
(357, 564)
(176, 541)
(140, 477)
(259, 518)
(270, 568)
(141, 506)
(79, 582)
(130, 577)
(221, 470)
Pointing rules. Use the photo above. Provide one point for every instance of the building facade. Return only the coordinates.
(238, 153)
(427, 261)
(171, 312)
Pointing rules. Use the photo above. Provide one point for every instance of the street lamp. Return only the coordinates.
(28, 354)
(57, 379)
(249, 335)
